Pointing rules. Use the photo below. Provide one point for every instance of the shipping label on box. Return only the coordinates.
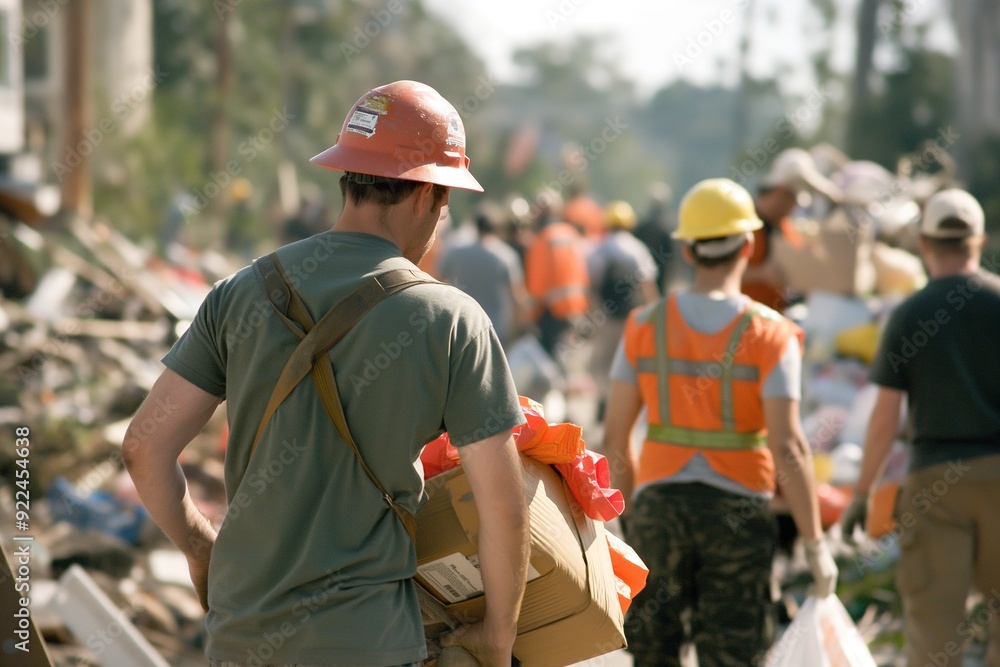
(456, 578)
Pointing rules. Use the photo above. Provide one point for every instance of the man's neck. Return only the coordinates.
(717, 283)
(956, 267)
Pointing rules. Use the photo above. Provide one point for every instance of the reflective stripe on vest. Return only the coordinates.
(725, 371)
(558, 293)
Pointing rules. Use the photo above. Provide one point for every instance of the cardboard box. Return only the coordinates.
(570, 610)
(835, 256)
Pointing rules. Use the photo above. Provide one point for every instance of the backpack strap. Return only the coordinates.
(316, 339)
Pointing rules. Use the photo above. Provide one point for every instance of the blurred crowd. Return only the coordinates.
(559, 272)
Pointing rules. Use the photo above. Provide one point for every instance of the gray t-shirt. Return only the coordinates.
(709, 316)
(621, 246)
(486, 270)
(309, 551)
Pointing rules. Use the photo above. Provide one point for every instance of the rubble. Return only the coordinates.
(77, 356)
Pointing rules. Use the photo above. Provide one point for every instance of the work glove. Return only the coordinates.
(824, 569)
(855, 515)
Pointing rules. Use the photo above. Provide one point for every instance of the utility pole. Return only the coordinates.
(77, 194)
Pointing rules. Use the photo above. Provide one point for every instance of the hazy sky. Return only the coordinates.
(657, 41)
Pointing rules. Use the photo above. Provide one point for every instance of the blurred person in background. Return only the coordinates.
(622, 277)
(490, 272)
(719, 377)
(556, 273)
(792, 179)
(584, 213)
(653, 229)
(941, 351)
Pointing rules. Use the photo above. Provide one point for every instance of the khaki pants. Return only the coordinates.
(226, 663)
(950, 541)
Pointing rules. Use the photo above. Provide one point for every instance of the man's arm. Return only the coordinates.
(624, 404)
(171, 416)
(794, 471)
(882, 429)
(522, 305)
(494, 471)
(793, 464)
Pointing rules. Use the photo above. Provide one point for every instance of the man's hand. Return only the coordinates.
(824, 569)
(489, 649)
(854, 516)
(198, 569)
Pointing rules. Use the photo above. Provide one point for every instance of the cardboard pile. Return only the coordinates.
(833, 256)
(570, 610)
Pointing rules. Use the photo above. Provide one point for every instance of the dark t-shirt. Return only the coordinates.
(942, 347)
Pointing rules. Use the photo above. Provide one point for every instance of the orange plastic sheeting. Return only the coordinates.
(832, 503)
(589, 479)
(587, 473)
(629, 569)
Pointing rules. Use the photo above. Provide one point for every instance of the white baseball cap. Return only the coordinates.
(795, 169)
(952, 214)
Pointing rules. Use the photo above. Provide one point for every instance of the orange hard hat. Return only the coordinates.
(403, 130)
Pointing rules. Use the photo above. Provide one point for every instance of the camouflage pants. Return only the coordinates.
(709, 555)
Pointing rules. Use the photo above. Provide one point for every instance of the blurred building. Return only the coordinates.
(120, 35)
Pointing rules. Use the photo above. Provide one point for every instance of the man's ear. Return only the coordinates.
(747, 249)
(423, 199)
(688, 255)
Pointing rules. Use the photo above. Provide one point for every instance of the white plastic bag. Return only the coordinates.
(822, 635)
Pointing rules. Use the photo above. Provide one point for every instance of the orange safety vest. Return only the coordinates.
(703, 391)
(586, 215)
(556, 271)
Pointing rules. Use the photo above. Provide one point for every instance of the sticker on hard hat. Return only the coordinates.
(456, 133)
(375, 104)
(363, 122)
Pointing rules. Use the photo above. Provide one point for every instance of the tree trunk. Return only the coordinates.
(860, 86)
(218, 126)
(977, 73)
(77, 195)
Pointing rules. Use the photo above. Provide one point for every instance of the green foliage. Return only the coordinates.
(914, 103)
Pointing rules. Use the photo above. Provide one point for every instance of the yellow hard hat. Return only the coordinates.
(714, 208)
(619, 215)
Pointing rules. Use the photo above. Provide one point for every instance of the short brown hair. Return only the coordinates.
(712, 262)
(960, 247)
(380, 190)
